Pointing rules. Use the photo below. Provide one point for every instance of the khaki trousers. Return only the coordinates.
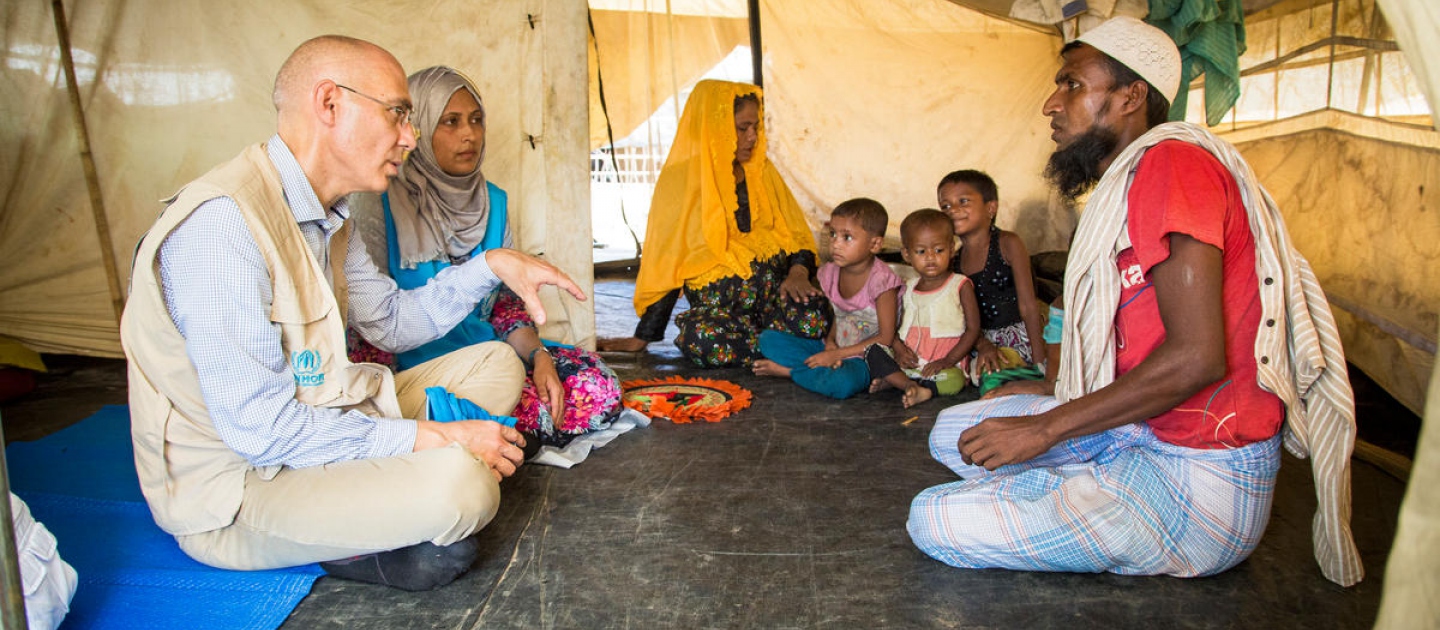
(488, 374)
(350, 508)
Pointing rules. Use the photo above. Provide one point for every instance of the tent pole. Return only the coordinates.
(1369, 72)
(87, 160)
(755, 48)
(12, 606)
(1334, 29)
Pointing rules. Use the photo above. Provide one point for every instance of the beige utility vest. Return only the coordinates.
(192, 480)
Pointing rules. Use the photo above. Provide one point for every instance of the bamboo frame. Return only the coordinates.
(756, 48)
(87, 160)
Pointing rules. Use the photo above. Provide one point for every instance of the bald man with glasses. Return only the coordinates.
(258, 444)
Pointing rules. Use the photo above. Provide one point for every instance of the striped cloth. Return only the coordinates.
(1300, 361)
(1120, 501)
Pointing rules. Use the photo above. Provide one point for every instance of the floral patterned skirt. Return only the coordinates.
(592, 398)
(722, 327)
(592, 392)
(1014, 336)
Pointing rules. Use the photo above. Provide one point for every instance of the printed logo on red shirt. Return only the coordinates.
(1132, 276)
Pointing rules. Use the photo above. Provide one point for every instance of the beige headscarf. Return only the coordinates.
(437, 214)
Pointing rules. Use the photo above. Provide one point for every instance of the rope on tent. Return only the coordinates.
(87, 160)
(609, 130)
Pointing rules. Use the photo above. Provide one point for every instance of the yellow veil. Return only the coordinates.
(691, 237)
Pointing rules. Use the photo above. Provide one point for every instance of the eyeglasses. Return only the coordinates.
(401, 113)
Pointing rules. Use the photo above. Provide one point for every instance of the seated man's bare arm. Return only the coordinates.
(1188, 293)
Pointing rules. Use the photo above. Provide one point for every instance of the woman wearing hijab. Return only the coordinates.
(725, 229)
(440, 211)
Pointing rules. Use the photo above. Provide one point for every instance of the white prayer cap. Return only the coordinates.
(1140, 47)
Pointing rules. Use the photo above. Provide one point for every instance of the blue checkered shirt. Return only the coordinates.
(218, 292)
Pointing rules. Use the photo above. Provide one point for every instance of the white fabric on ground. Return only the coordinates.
(579, 448)
(47, 580)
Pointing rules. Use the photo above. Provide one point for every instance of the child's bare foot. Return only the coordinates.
(766, 367)
(621, 344)
(879, 385)
(914, 395)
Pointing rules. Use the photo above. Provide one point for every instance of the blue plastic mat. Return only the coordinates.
(80, 482)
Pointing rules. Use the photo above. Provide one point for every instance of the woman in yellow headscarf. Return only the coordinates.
(724, 228)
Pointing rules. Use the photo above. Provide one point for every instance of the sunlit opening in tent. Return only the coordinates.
(1340, 57)
(622, 176)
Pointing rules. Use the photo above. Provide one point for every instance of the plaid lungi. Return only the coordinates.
(1120, 501)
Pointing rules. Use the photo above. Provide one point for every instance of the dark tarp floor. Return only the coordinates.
(789, 514)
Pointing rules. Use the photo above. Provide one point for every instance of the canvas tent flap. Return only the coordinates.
(163, 110)
(1415, 23)
(645, 57)
(1413, 578)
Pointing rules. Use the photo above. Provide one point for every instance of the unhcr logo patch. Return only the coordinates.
(306, 365)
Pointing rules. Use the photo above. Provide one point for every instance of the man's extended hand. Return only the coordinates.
(996, 442)
(525, 275)
(499, 446)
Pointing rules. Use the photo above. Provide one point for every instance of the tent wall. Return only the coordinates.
(1346, 181)
(1358, 197)
(881, 100)
(170, 90)
(646, 58)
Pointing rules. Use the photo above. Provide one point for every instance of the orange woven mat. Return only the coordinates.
(684, 400)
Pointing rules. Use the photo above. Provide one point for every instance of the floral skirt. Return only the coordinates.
(592, 392)
(1013, 336)
(592, 398)
(722, 327)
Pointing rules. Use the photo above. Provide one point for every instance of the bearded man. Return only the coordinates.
(1193, 333)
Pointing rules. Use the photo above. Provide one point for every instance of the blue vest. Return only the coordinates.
(476, 327)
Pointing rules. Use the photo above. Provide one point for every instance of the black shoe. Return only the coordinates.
(415, 568)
